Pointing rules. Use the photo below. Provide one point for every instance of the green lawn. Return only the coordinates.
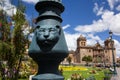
(85, 74)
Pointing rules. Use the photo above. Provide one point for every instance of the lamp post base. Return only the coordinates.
(48, 76)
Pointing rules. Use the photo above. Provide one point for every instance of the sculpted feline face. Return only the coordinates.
(47, 36)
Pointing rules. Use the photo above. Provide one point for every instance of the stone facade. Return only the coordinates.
(99, 54)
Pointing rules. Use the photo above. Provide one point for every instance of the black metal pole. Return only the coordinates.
(113, 56)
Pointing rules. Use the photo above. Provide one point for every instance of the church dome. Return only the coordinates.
(81, 38)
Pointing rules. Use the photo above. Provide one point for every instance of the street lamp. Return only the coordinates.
(113, 56)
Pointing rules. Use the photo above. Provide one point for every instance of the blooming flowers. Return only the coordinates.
(73, 68)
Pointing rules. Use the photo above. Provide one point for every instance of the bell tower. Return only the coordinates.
(108, 43)
(81, 41)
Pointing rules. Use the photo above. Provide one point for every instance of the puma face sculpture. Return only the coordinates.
(47, 36)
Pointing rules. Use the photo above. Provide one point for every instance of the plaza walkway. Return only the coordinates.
(116, 77)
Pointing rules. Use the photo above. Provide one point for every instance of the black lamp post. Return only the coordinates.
(113, 56)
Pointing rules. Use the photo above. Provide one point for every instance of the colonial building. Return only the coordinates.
(99, 54)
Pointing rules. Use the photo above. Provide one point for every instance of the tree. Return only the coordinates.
(69, 59)
(4, 43)
(12, 47)
(87, 59)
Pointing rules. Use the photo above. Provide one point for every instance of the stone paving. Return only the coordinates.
(116, 77)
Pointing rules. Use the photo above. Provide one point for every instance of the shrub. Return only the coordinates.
(76, 76)
(92, 72)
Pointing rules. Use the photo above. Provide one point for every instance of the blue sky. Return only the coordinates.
(91, 18)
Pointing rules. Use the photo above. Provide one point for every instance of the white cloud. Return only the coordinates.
(71, 40)
(114, 24)
(66, 26)
(92, 40)
(117, 46)
(31, 1)
(97, 26)
(97, 10)
(30, 37)
(95, 38)
(112, 3)
(100, 11)
(8, 7)
(108, 20)
(118, 8)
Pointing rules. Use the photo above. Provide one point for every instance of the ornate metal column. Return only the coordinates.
(48, 47)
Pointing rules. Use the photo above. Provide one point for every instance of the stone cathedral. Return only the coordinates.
(99, 53)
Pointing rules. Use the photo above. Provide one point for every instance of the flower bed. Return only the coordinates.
(73, 68)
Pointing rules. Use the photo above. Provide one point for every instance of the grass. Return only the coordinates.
(99, 75)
